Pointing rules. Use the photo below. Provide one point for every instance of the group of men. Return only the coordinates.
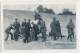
(56, 30)
(30, 30)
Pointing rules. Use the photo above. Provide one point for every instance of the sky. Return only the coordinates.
(56, 5)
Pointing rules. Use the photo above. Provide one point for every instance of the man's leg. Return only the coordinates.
(11, 36)
(24, 40)
(16, 37)
(54, 34)
(7, 37)
(73, 34)
(44, 36)
(36, 38)
(27, 38)
(70, 38)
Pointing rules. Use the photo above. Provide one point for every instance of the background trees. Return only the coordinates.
(40, 8)
(65, 11)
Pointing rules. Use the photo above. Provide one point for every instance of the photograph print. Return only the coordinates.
(39, 26)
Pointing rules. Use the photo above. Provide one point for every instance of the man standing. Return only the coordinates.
(70, 28)
(53, 26)
(23, 29)
(17, 27)
(43, 30)
(58, 28)
(27, 31)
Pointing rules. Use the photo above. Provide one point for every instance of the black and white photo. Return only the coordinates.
(39, 26)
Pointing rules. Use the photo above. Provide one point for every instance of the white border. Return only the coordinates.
(47, 51)
(2, 26)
